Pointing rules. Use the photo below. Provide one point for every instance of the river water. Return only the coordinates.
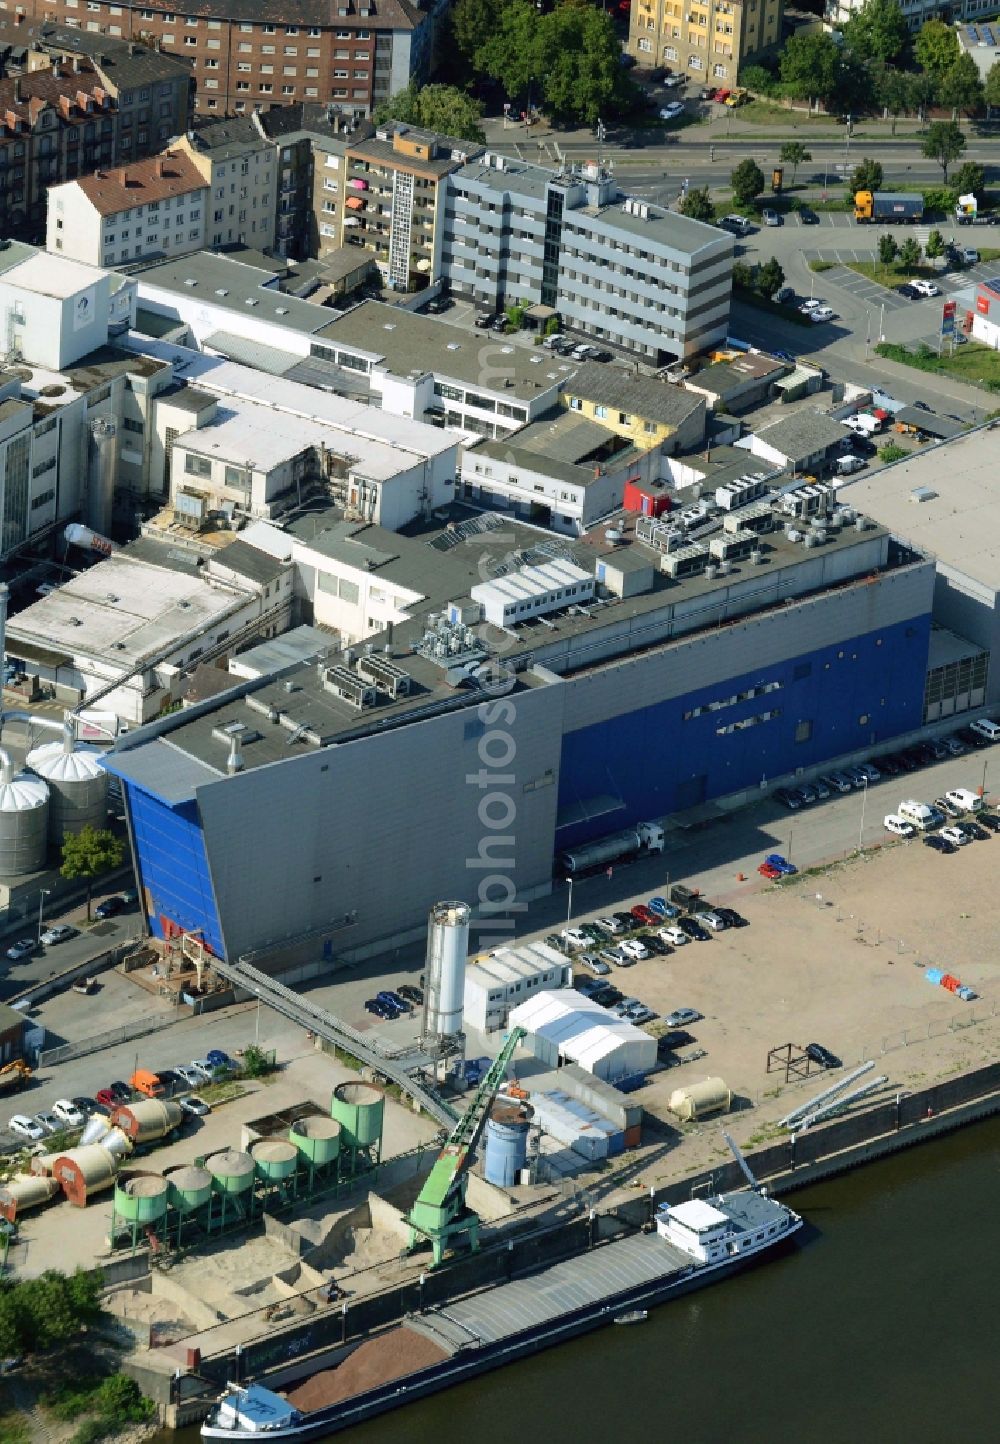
(881, 1326)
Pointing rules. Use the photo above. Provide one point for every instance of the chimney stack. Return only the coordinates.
(159, 168)
(77, 66)
(123, 173)
(18, 88)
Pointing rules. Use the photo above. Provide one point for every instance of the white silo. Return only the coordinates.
(444, 975)
(78, 785)
(24, 817)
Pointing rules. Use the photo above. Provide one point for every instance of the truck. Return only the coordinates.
(644, 837)
(888, 207)
(14, 1076)
(920, 814)
(966, 210)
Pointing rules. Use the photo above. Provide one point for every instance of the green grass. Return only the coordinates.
(225, 1091)
(978, 365)
(820, 266)
(769, 112)
(895, 274)
(14, 1427)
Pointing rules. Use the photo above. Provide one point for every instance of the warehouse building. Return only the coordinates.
(565, 1027)
(737, 649)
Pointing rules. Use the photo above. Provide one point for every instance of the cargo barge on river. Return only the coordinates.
(693, 1244)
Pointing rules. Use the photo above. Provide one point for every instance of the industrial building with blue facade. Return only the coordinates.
(543, 692)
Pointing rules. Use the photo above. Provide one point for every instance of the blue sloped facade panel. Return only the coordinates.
(173, 866)
(671, 755)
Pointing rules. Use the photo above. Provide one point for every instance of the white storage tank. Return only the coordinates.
(697, 1100)
(24, 819)
(444, 975)
(78, 786)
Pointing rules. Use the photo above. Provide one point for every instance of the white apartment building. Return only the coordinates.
(240, 166)
(154, 207)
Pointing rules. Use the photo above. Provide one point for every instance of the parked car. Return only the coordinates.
(897, 825)
(191, 1104)
(437, 304)
(949, 808)
(909, 290)
(823, 313)
(694, 929)
(821, 788)
(68, 1114)
(672, 110)
(808, 217)
(574, 938)
(810, 305)
(986, 728)
(411, 994)
(808, 794)
(954, 835)
(89, 1106)
(732, 918)
(110, 907)
(595, 965)
(633, 948)
(711, 919)
(769, 871)
(926, 288)
(662, 908)
(955, 746)
(23, 948)
(785, 296)
(656, 945)
(191, 1078)
(989, 820)
(609, 924)
(888, 765)
(626, 919)
(869, 770)
(770, 217)
(973, 831)
(26, 1127)
(786, 868)
(644, 915)
(202, 1069)
(856, 776)
(220, 1060)
(59, 933)
(822, 1055)
(674, 935)
(789, 797)
(838, 781)
(680, 1017)
(483, 323)
(938, 843)
(380, 1009)
(591, 933)
(49, 1121)
(106, 1098)
(612, 957)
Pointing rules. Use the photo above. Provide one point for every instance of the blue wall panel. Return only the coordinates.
(855, 694)
(173, 867)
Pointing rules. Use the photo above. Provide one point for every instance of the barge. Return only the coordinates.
(694, 1244)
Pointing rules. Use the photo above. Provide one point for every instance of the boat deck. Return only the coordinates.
(578, 1283)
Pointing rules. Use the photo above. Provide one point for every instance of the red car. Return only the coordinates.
(765, 870)
(721, 96)
(644, 915)
(105, 1096)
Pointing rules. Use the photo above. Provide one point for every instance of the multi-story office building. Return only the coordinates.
(391, 199)
(240, 166)
(353, 53)
(709, 40)
(618, 269)
(153, 208)
(67, 117)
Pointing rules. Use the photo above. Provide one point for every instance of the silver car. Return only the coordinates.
(710, 919)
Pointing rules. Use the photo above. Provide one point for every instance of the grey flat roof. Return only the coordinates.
(531, 460)
(249, 562)
(252, 353)
(960, 524)
(568, 436)
(802, 433)
(946, 646)
(636, 395)
(301, 644)
(214, 273)
(929, 421)
(161, 767)
(412, 345)
(13, 253)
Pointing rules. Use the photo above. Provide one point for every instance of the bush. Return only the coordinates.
(939, 198)
(892, 452)
(256, 1062)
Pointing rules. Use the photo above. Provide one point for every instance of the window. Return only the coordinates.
(197, 465)
(803, 731)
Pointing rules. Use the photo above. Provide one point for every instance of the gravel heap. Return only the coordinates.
(377, 1361)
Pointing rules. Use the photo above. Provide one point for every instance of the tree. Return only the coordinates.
(877, 31)
(887, 249)
(473, 23)
(89, 853)
(743, 276)
(935, 246)
(936, 48)
(697, 205)
(960, 86)
(747, 181)
(922, 92)
(866, 176)
(895, 93)
(909, 252)
(511, 53)
(770, 278)
(794, 153)
(970, 179)
(808, 66)
(579, 60)
(944, 142)
(991, 90)
(436, 107)
(758, 80)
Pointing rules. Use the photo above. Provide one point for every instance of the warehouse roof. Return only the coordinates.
(219, 281)
(634, 395)
(509, 966)
(48, 275)
(411, 344)
(945, 501)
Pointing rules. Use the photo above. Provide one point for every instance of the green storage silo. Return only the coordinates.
(140, 1205)
(190, 1188)
(359, 1108)
(317, 1140)
(232, 1182)
(276, 1164)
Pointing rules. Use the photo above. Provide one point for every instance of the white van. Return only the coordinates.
(987, 728)
(898, 825)
(966, 800)
(863, 424)
(919, 814)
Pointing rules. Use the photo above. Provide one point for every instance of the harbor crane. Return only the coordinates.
(440, 1215)
(740, 1157)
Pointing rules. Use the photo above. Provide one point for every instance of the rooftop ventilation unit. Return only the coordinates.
(808, 500)
(739, 493)
(386, 676)
(350, 688)
(758, 517)
(729, 548)
(685, 561)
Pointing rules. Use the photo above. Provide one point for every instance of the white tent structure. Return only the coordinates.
(565, 1027)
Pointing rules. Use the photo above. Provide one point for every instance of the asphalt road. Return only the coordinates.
(44, 962)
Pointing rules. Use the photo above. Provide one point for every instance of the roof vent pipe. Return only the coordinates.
(235, 761)
(6, 769)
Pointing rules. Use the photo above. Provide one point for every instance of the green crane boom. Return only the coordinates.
(440, 1213)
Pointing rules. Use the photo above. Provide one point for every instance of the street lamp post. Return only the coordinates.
(861, 829)
(569, 905)
(43, 894)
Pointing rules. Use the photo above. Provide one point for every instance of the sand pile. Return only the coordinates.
(377, 1361)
